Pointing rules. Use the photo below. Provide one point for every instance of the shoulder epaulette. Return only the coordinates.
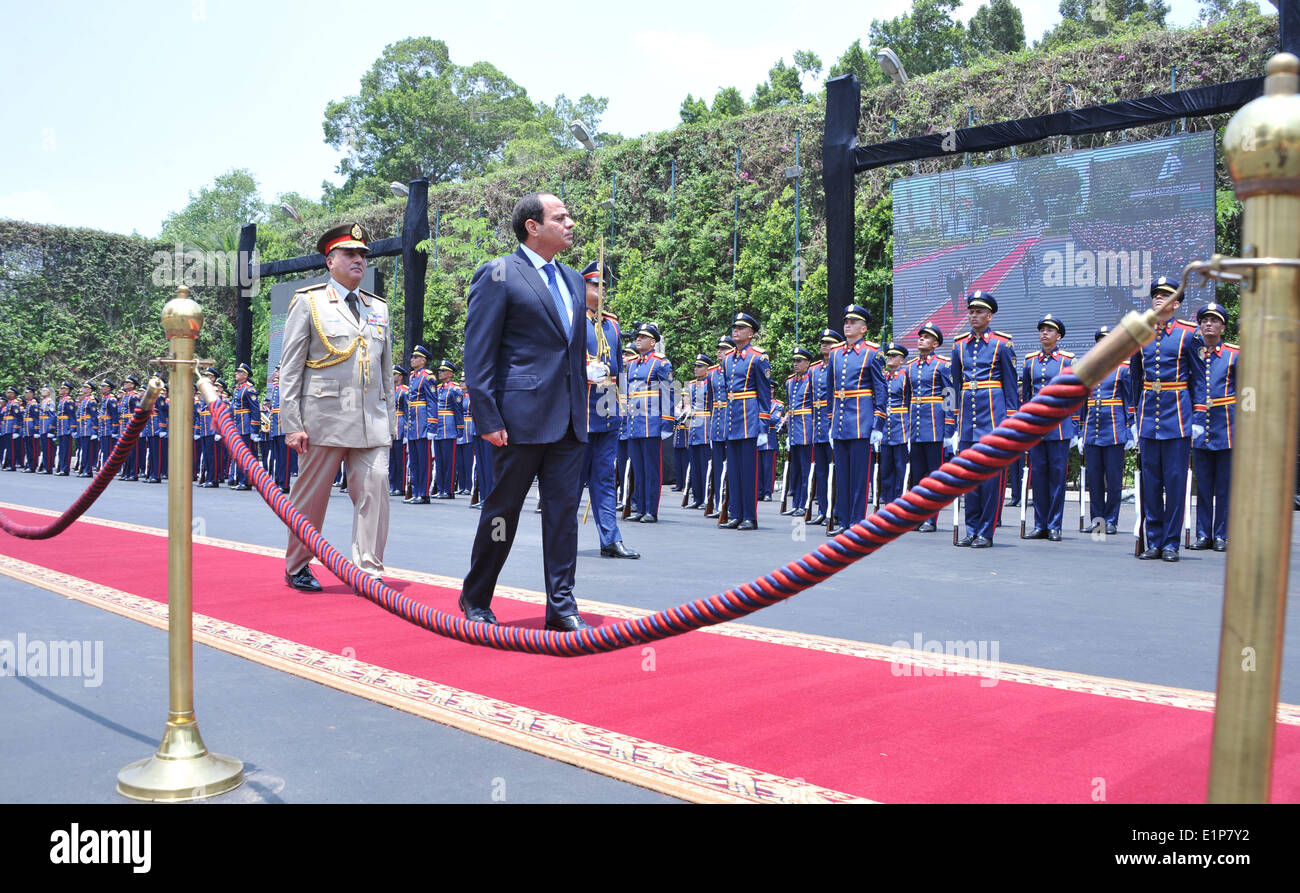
(714, 368)
(308, 288)
(657, 355)
(1231, 346)
(962, 337)
(757, 349)
(1125, 363)
(372, 295)
(607, 315)
(871, 344)
(1030, 356)
(816, 364)
(1066, 353)
(1003, 335)
(1185, 324)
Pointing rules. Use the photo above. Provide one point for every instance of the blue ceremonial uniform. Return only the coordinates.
(650, 414)
(108, 421)
(65, 429)
(604, 422)
(1107, 418)
(801, 427)
(748, 374)
(450, 416)
(984, 379)
(1171, 374)
(699, 418)
(129, 403)
(87, 436)
(929, 419)
(421, 407)
(209, 474)
(1049, 459)
(1212, 453)
(717, 385)
(248, 419)
(857, 395)
(823, 449)
(397, 449)
(768, 451)
(894, 447)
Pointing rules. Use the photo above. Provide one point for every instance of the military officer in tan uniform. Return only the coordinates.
(336, 402)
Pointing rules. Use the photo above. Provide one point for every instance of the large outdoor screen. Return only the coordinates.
(1078, 234)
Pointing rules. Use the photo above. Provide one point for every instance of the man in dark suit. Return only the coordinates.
(525, 358)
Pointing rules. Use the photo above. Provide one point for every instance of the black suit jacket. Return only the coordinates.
(522, 373)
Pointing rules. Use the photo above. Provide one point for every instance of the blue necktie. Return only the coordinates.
(560, 305)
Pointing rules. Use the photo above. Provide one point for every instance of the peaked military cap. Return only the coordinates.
(1102, 333)
(592, 273)
(744, 319)
(648, 328)
(703, 360)
(245, 368)
(1164, 285)
(933, 331)
(421, 350)
(345, 235)
(832, 336)
(448, 365)
(893, 348)
(1052, 321)
(857, 311)
(984, 299)
(727, 341)
(1212, 309)
(802, 353)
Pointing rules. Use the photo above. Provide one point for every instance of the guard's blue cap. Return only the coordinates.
(1213, 309)
(245, 368)
(399, 370)
(108, 383)
(648, 328)
(703, 360)
(982, 299)
(802, 353)
(629, 349)
(933, 331)
(857, 311)
(1165, 285)
(591, 273)
(133, 379)
(832, 336)
(448, 365)
(423, 351)
(66, 384)
(744, 319)
(1052, 321)
(727, 341)
(1102, 333)
(893, 348)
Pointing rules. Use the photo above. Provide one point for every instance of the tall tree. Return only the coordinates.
(858, 61)
(217, 210)
(927, 39)
(997, 27)
(728, 103)
(419, 114)
(694, 110)
(1082, 19)
(1216, 10)
(784, 84)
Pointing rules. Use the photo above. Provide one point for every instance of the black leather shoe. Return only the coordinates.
(1094, 526)
(394, 492)
(1150, 554)
(416, 500)
(747, 525)
(481, 615)
(1013, 503)
(635, 516)
(731, 525)
(964, 541)
(981, 542)
(817, 519)
(569, 624)
(1037, 533)
(1169, 555)
(303, 581)
(1111, 529)
(835, 531)
(1202, 544)
(696, 505)
(649, 519)
(712, 514)
(243, 487)
(618, 550)
(927, 527)
(1054, 536)
(675, 489)
(1220, 545)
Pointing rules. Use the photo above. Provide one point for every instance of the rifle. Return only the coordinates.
(1024, 497)
(956, 520)
(723, 514)
(708, 487)
(1139, 525)
(473, 478)
(830, 497)
(785, 486)
(1083, 479)
(627, 490)
(1187, 510)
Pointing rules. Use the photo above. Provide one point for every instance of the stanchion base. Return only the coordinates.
(182, 769)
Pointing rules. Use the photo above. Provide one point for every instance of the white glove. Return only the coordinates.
(1198, 433)
(1133, 433)
(429, 436)
(1076, 443)
(665, 435)
(257, 438)
(952, 444)
(877, 437)
(218, 438)
(762, 440)
(1130, 444)
(163, 435)
(96, 437)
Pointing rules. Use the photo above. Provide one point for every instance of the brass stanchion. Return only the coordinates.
(1261, 146)
(182, 769)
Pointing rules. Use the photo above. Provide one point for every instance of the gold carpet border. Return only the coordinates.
(908, 660)
(668, 770)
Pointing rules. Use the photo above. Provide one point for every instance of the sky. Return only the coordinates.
(118, 112)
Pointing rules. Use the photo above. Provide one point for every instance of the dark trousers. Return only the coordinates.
(893, 466)
(852, 475)
(823, 456)
(445, 465)
(742, 479)
(681, 466)
(925, 458)
(1014, 474)
(557, 466)
(1164, 489)
(598, 478)
(1105, 480)
(620, 464)
(208, 447)
(397, 466)
(463, 461)
(800, 466)
(65, 453)
(1213, 482)
(984, 503)
(699, 472)
(766, 472)
(718, 450)
(418, 456)
(1048, 461)
(646, 455)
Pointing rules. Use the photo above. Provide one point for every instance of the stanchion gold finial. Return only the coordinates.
(1261, 146)
(182, 769)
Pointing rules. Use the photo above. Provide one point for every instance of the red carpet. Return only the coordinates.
(838, 721)
(950, 320)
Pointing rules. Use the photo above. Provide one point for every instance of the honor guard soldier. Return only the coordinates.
(699, 415)
(604, 418)
(984, 377)
(463, 462)
(8, 425)
(397, 451)
(768, 451)
(1107, 422)
(823, 448)
(422, 408)
(31, 429)
(748, 374)
(620, 469)
(248, 418)
(87, 431)
(450, 414)
(893, 446)
(220, 445)
(801, 427)
(717, 380)
(282, 460)
(158, 457)
(482, 468)
(650, 411)
(47, 430)
(197, 433)
(1049, 459)
(857, 392)
(681, 447)
(65, 427)
(929, 421)
(108, 420)
(1171, 371)
(129, 403)
(1212, 451)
